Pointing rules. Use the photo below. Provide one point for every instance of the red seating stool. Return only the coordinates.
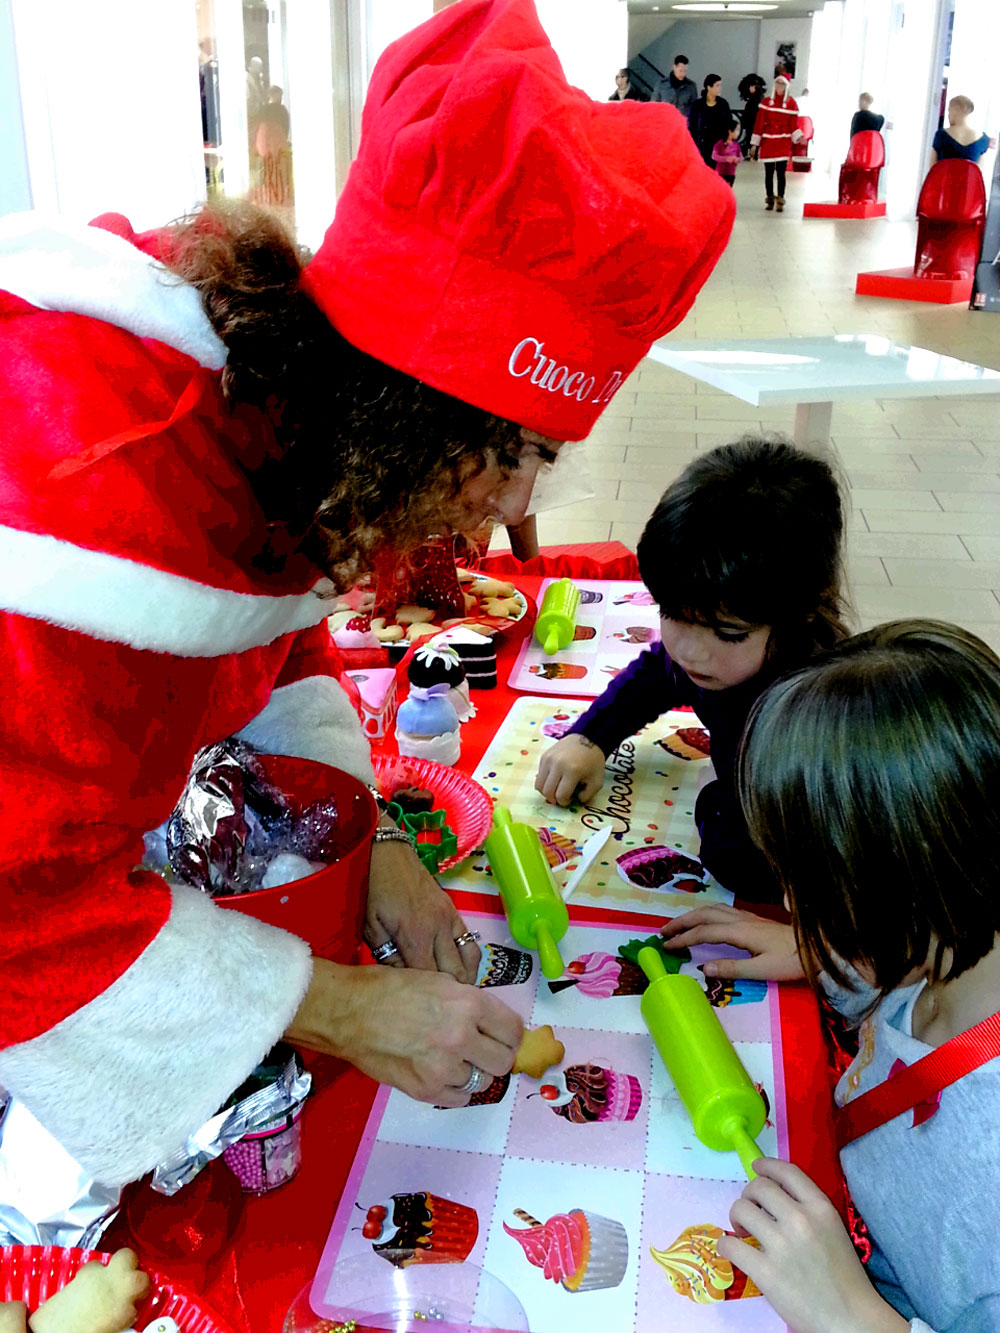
(951, 219)
(857, 193)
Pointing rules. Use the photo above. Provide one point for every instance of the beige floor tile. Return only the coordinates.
(601, 509)
(911, 546)
(987, 631)
(908, 520)
(982, 547)
(866, 571)
(866, 462)
(955, 604)
(917, 449)
(942, 573)
(555, 530)
(937, 461)
(867, 499)
(893, 479)
(985, 483)
(971, 502)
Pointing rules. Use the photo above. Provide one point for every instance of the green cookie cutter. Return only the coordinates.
(431, 853)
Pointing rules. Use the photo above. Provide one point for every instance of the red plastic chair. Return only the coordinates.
(800, 150)
(860, 172)
(951, 219)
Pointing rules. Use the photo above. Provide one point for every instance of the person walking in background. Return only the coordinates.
(865, 118)
(710, 117)
(727, 154)
(959, 139)
(677, 89)
(625, 91)
(751, 90)
(775, 131)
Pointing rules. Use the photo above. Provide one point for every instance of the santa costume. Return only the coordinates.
(775, 130)
(503, 238)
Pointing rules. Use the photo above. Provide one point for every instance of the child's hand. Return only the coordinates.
(573, 767)
(806, 1265)
(771, 945)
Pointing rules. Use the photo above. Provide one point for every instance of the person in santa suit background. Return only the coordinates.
(774, 132)
(202, 441)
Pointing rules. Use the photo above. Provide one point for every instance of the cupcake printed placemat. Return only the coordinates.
(585, 1191)
(650, 864)
(615, 621)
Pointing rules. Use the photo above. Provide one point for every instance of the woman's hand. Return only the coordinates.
(771, 945)
(806, 1265)
(407, 905)
(572, 768)
(418, 1031)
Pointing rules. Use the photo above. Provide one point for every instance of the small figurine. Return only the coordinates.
(427, 724)
(437, 663)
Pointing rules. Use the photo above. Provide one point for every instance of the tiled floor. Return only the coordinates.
(924, 475)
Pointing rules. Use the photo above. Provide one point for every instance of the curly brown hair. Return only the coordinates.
(365, 456)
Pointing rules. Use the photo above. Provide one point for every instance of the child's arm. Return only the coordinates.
(716, 155)
(804, 1263)
(645, 689)
(770, 944)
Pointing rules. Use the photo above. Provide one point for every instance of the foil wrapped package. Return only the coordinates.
(234, 831)
(46, 1196)
(285, 1088)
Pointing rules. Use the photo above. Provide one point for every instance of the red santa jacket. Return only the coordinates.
(776, 128)
(135, 629)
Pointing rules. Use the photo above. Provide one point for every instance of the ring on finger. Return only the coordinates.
(477, 1081)
(385, 951)
(470, 937)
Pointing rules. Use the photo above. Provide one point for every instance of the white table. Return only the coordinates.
(815, 373)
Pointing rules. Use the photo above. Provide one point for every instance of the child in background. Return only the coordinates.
(870, 780)
(727, 154)
(743, 556)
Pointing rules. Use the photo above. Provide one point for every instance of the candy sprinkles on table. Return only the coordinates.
(581, 1186)
(650, 863)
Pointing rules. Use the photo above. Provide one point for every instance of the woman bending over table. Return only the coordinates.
(202, 444)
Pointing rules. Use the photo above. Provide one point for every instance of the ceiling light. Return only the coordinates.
(721, 7)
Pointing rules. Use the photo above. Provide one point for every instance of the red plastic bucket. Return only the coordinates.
(326, 909)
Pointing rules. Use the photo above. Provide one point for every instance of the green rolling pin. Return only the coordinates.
(535, 909)
(725, 1108)
(556, 623)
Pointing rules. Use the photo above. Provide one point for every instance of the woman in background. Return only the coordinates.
(959, 139)
(710, 117)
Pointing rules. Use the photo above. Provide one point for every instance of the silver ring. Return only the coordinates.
(470, 937)
(384, 951)
(476, 1082)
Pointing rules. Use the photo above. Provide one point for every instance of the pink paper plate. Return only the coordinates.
(467, 807)
(33, 1273)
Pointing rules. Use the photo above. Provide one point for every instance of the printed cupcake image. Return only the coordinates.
(591, 1094)
(687, 743)
(664, 868)
(638, 598)
(421, 1228)
(558, 670)
(579, 1249)
(695, 1269)
(582, 633)
(602, 975)
(500, 965)
(590, 596)
(636, 634)
(723, 992)
(557, 725)
(557, 847)
(490, 1095)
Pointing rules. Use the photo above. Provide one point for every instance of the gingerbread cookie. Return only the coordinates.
(505, 608)
(100, 1298)
(539, 1051)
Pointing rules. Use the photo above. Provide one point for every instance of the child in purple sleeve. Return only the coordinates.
(743, 556)
(727, 154)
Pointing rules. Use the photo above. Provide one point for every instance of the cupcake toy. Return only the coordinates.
(580, 1250)
(427, 724)
(421, 1228)
(356, 633)
(695, 1269)
(687, 743)
(500, 965)
(591, 1094)
(437, 663)
(659, 867)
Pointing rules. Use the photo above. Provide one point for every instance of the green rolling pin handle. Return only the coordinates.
(548, 952)
(551, 644)
(651, 962)
(746, 1148)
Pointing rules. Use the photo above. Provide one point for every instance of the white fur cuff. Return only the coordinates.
(123, 1081)
(312, 719)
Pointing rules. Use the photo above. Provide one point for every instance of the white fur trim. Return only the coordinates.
(312, 718)
(123, 1081)
(56, 264)
(109, 597)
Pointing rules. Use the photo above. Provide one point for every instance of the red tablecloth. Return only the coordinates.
(277, 1247)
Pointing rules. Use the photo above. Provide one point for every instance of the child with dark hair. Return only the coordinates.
(727, 154)
(743, 556)
(869, 781)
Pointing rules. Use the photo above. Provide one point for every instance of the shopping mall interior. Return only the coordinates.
(145, 109)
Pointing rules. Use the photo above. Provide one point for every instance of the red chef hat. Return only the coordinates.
(505, 238)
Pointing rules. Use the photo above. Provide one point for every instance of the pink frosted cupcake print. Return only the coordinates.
(601, 975)
(591, 1094)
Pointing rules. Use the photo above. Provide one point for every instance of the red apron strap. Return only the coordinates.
(914, 1084)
